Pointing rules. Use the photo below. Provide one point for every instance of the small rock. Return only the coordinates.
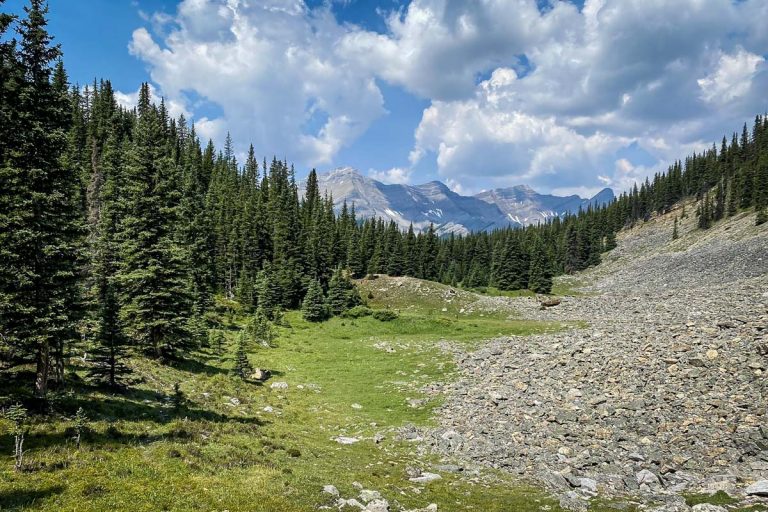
(587, 484)
(279, 385)
(331, 489)
(554, 480)
(574, 502)
(425, 478)
(377, 506)
(449, 468)
(417, 402)
(352, 502)
(357, 406)
(759, 488)
(346, 440)
(234, 401)
(432, 507)
(707, 507)
(268, 409)
(260, 375)
(647, 478)
(368, 496)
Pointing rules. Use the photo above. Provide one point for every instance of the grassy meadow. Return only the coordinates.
(239, 446)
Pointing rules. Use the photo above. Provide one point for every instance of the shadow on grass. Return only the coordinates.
(200, 367)
(17, 499)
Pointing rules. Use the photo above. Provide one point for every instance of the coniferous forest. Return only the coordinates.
(120, 229)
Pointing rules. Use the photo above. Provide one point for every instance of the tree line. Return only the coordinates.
(120, 228)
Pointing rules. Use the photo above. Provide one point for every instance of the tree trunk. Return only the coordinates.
(43, 368)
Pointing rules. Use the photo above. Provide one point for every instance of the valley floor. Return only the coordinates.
(647, 384)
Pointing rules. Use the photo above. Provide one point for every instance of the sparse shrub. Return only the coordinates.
(260, 328)
(278, 316)
(80, 425)
(370, 296)
(178, 397)
(385, 315)
(17, 415)
(217, 338)
(762, 216)
(293, 452)
(357, 312)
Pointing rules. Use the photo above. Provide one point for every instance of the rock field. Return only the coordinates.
(665, 392)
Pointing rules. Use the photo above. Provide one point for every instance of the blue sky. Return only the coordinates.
(564, 96)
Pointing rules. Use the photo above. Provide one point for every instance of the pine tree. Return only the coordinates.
(342, 293)
(18, 416)
(314, 307)
(110, 350)
(718, 211)
(574, 255)
(217, 339)
(260, 329)
(268, 291)
(40, 223)
(762, 217)
(540, 280)
(732, 201)
(243, 367)
(154, 279)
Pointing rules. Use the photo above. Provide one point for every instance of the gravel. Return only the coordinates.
(663, 393)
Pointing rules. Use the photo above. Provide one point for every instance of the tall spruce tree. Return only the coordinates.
(110, 349)
(41, 229)
(154, 279)
(540, 280)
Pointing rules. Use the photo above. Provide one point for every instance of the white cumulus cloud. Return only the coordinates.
(272, 70)
(558, 97)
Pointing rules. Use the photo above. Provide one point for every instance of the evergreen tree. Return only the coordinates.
(342, 293)
(243, 367)
(675, 234)
(540, 280)
(110, 350)
(261, 329)
(41, 228)
(732, 200)
(314, 307)
(154, 279)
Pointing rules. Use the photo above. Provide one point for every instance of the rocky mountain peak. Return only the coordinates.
(435, 203)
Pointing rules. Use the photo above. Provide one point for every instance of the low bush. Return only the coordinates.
(384, 315)
(357, 312)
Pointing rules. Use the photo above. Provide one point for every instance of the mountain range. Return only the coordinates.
(450, 212)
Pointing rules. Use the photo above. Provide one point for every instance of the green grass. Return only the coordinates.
(568, 286)
(719, 498)
(212, 454)
(495, 292)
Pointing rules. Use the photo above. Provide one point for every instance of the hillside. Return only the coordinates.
(662, 394)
